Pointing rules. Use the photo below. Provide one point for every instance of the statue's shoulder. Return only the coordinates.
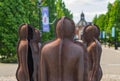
(80, 43)
(95, 43)
(22, 43)
(48, 45)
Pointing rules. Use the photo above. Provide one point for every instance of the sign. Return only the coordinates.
(103, 33)
(113, 31)
(45, 19)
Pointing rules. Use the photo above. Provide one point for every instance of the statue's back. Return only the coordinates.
(72, 64)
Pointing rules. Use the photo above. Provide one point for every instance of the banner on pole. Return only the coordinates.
(103, 33)
(113, 31)
(45, 19)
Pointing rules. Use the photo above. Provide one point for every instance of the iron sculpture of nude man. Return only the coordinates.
(22, 73)
(90, 37)
(35, 46)
(62, 59)
(28, 53)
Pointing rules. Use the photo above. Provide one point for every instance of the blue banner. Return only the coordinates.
(113, 31)
(45, 19)
(103, 33)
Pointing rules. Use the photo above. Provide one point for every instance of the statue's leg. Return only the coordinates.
(100, 74)
(21, 76)
(35, 73)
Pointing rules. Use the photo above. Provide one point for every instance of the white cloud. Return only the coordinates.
(89, 7)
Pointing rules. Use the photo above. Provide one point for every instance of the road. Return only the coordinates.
(7, 72)
(110, 62)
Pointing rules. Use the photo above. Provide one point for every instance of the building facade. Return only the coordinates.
(80, 26)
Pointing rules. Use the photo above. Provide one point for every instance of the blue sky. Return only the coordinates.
(89, 7)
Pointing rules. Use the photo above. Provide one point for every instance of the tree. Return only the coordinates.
(14, 13)
(55, 7)
(110, 19)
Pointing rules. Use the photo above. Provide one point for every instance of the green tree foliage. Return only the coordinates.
(100, 21)
(110, 19)
(95, 19)
(57, 9)
(16, 12)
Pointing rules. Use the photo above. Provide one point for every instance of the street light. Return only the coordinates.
(39, 6)
(115, 38)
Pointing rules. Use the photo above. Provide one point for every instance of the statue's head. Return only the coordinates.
(23, 31)
(90, 33)
(36, 35)
(30, 32)
(65, 28)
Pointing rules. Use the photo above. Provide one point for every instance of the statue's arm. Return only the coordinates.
(39, 65)
(24, 54)
(95, 58)
(43, 67)
(86, 66)
(80, 68)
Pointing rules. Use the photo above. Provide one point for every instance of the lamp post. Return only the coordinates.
(116, 38)
(39, 6)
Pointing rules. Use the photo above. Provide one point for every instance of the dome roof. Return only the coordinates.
(82, 21)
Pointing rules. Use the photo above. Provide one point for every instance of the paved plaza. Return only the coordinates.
(110, 62)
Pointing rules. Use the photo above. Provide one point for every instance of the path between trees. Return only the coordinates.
(110, 63)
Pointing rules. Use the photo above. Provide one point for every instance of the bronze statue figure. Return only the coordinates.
(35, 46)
(86, 63)
(90, 37)
(28, 53)
(62, 59)
(22, 73)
